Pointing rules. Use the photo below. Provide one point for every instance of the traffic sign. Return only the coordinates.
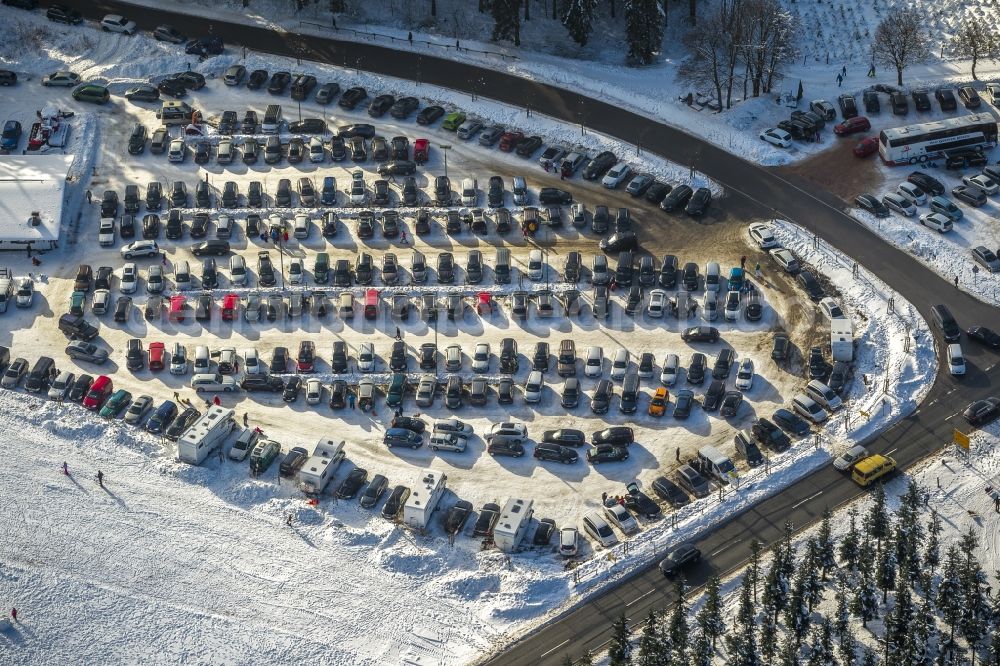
(961, 439)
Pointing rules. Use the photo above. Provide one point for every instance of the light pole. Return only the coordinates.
(445, 147)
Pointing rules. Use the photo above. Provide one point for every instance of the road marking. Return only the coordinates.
(722, 548)
(891, 451)
(801, 502)
(949, 418)
(545, 654)
(637, 599)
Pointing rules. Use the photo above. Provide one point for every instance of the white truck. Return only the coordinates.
(513, 524)
(321, 466)
(424, 499)
(206, 435)
(842, 340)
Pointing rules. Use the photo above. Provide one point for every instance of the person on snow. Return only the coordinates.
(246, 419)
(100, 478)
(65, 468)
(13, 614)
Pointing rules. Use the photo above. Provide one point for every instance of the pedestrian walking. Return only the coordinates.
(743, 262)
(399, 412)
(258, 430)
(756, 270)
(288, 520)
(13, 614)
(562, 175)
(399, 335)
(604, 499)
(409, 36)
(677, 454)
(840, 80)
(90, 197)
(334, 19)
(402, 236)
(285, 236)
(163, 258)
(350, 400)
(65, 468)
(216, 401)
(177, 396)
(458, 47)
(956, 280)
(996, 501)
(100, 478)
(843, 71)
(871, 71)
(246, 419)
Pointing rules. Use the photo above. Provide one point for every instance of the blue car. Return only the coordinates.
(11, 135)
(328, 196)
(162, 418)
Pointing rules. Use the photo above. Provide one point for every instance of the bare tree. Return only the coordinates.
(900, 41)
(706, 65)
(767, 43)
(973, 41)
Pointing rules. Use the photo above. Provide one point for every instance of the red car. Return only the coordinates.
(866, 147)
(177, 305)
(306, 358)
(421, 150)
(157, 352)
(852, 126)
(509, 140)
(230, 303)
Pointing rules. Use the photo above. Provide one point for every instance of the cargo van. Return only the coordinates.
(714, 463)
(872, 468)
(175, 112)
(272, 119)
(943, 319)
(956, 359)
(712, 274)
(501, 269)
(599, 529)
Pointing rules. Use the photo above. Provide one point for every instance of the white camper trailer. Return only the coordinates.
(424, 499)
(842, 340)
(206, 435)
(513, 524)
(321, 466)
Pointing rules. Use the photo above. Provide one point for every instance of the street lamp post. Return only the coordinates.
(445, 147)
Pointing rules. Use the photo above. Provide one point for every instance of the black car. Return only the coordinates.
(398, 168)
(973, 196)
(606, 453)
(302, 86)
(279, 81)
(984, 336)
(172, 87)
(555, 452)
(946, 98)
(598, 166)
(818, 367)
(616, 435)
(505, 391)
(307, 126)
(177, 427)
(677, 199)
(270, 383)
(543, 534)
(722, 364)
(393, 505)
(640, 503)
(137, 139)
(403, 107)
(565, 437)
(620, 242)
(109, 204)
(932, 186)
(279, 360)
(127, 227)
(488, 517)
(353, 483)
(873, 205)
(789, 421)
(699, 202)
(548, 195)
(380, 105)
(983, 411)
(505, 447)
(376, 488)
(713, 396)
(204, 46)
(670, 492)
(257, 79)
(455, 519)
(700, 334)
(293, 461)
(61, 14)
(683, 401)
(352, 97)
(292, 387)
(812, 287)
(429, 114)
(409, 423)
(731, 404)
(526, 147)
(143, 93)
(678, 558)
(363, 130)
(749, 450)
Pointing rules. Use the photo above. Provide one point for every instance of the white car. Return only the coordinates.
(916, 195)
(296, 271)
(668, 375)
(569, 538)
(244, 444)
(831, 309)
(777, 137)
(177, 151)
(936, 221)
(732, 310)
(481, 358)
(213, 382)
(154, 279)
(507, 429)
(657, 303)
(140, 248)
(102, 299)
(533, 387)
(595, 362)
(61, 385)
(744, 376)
(116, 23)
(61, 79)
(620, 517)
(252, 364)
(366, 357)
(358, 192)
(620, 364)
(786, 260)
(178, 360)
(238, 270)
(762, 235)
(300, 229)
(314, 391)
(808, 408)
(993, 92)
(447, 441)
(316, 150)
(106, 232)
(26, 293)
(578, 213)
(983, 182)
(852, 455)
(130, 278)
(453, 426)
(535, 265)
(616, 175)
(897, 202)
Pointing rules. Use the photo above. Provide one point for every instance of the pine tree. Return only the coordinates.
(710, 616)
(950, 596)
(932, 554)
(868, 658)
(742, 642)
(620, 649)
(848, 650)
(678, 631)
(797, 614)
(866, 556)
(994, 656)
(827, 552)
(578, 17)
(789, 652)
(587, 659)
(643, 30)
(775, 589)
(654, 648)
(812, 591)
(753, 568)
(864, 604)
(850, 543)
(842, 620)
(878, 519)
(701, 651)
(909, 533)
(885, 572)
(898, 621)
(506, 20)
(917, 645)
(976, 611)
(768, 633)
(821, 646)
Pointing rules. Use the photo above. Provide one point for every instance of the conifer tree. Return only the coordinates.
(812, 591)
(578, 17)
(742, 642)
(643, 30)
(866, 556)
(678, 631)
(932, 554)
(848, 650)
(827, 552)
(898, 621)
(994, 657)
(768, 633)
(950, 593)
(753, 568)
(587, 659)
(775, 590)
(789, 652)
(850, 543)
(864, 603)
(710, 616)
(620, 649)
(701, 651)
(654, 647)
(567, 660)
(506, 20)
(877, 523)
(821, 646)
(797, 614)
(885, 572)
(842, 619)
(868, 658)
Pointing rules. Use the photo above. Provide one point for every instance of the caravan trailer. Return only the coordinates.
(513, 524)
(842, 340)
(321, 466)
(424, 499)
(206, 435)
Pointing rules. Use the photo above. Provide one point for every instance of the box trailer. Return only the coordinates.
(842, 340)
(424, 499)
(321, 466)
(513, 524)
(206, 435)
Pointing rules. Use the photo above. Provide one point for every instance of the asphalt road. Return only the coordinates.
(751, 191)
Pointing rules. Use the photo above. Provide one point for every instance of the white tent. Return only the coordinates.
(31, 200)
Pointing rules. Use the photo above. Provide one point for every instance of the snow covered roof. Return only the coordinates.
(32, 184)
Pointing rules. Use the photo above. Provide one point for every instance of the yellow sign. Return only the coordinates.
(961, 439)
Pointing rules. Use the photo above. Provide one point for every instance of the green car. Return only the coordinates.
(76, 301)
(91, 92)
(263, 455)
(321, 270)
(397, 387)
(118, 401)
(453, 120)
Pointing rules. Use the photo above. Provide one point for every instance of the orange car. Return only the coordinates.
(658, 403)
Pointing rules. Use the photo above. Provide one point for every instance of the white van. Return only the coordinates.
(712, 274)
(956, 359)
(668, 376)
(598, 528)
(182, 275)
(469, 194)
(244, 444)
(824, 395)
(713, 462)
(202, 359)
(808, 409)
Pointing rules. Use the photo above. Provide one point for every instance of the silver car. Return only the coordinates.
(138, 409)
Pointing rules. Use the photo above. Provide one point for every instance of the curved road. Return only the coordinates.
(751, 190)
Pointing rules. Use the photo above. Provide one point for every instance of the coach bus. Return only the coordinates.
(918, 143)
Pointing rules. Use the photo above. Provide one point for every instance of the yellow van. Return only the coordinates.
(872, 468)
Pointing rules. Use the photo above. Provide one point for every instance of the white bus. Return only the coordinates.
(918, 143)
